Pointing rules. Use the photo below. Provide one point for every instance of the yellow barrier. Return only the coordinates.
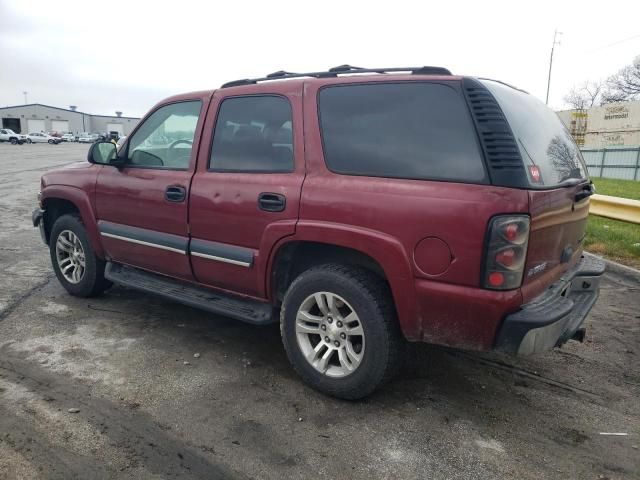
(615, 207)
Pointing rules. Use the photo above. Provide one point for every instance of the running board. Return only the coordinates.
(239, 308)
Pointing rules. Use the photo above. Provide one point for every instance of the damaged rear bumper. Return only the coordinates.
(556, 315)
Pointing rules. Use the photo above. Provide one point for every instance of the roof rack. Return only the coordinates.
(339, 70)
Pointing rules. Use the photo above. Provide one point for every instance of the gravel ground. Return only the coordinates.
(101, 388)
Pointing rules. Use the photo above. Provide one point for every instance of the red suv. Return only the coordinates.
(360, 208)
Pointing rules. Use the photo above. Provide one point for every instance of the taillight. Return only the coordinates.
(506, 252)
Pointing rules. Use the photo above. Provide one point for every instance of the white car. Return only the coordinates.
(87, 138)
(68, 137)
(42, 138)
(8, 135)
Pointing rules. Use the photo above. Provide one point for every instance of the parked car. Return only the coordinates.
(39, 137)
(8, 135)
(88, 137)
(414, 205)
(68, 137)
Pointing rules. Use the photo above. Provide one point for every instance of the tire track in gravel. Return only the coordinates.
(17, 301)
(54, 462)
(136, 434)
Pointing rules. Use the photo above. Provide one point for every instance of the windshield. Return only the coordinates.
(546, 146)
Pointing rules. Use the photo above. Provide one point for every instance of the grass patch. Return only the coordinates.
(618, 188)
(616, 240)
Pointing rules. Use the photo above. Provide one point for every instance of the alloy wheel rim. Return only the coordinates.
(70, 256)
(330, 334)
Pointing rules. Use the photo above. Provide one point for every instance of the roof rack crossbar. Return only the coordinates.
(339, 70)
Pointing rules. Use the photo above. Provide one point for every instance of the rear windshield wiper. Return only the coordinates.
(571, 182)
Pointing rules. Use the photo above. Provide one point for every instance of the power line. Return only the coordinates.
(614, 43)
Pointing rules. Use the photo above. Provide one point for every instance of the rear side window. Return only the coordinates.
(414, 130)
(253, 134)
(546, 146)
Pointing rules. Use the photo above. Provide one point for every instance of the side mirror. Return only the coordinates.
(103, 153)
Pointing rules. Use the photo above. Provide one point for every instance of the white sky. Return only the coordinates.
(114, 55)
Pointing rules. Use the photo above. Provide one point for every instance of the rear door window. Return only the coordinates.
(253, 134)
(414, 130)
(545, 144)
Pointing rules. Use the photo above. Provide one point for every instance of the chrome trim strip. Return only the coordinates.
(140, 242)
(220, 259)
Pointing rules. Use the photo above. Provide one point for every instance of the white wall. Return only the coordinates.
(35, 125)
(60, 125)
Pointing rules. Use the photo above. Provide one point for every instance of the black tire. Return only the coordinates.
(92, 282)
(29, 140)
(371, 299)
(13, 141)
(50, 142)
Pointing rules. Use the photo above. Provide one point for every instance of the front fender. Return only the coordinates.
(80, 198)
(384, 249)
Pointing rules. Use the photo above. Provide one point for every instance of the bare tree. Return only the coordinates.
(564, 157)
(624, 85)
(585, 96)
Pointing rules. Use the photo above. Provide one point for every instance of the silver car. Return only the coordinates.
(42, 138)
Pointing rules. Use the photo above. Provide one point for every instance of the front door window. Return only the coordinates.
(165, 139)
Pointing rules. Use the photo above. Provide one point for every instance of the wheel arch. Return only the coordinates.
(315, 244)
(58, 200)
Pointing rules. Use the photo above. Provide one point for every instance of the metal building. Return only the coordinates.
(36, 117)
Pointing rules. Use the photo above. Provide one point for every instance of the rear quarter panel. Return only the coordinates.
(405, 212)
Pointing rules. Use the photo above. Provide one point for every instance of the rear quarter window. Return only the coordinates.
(413, 130)
(543, 140)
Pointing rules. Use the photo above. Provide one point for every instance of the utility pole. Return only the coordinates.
(25, 97)
(555, 42)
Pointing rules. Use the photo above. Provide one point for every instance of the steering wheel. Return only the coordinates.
(172, 153)
(178, 142)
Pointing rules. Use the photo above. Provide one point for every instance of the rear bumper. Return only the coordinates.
(555, 316)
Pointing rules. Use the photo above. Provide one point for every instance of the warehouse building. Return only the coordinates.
(36, 117)
(613, 125)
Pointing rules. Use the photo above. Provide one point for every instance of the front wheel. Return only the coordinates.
(340, 331)
(14, 141)
(29, 140)
(50, 142)
(74, 261)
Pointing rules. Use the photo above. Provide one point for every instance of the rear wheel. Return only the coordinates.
(50, 142)
(14, 141)
(29, 140)
(74, 261)
(340, 331)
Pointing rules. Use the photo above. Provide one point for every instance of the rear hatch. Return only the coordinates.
(559, 186)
